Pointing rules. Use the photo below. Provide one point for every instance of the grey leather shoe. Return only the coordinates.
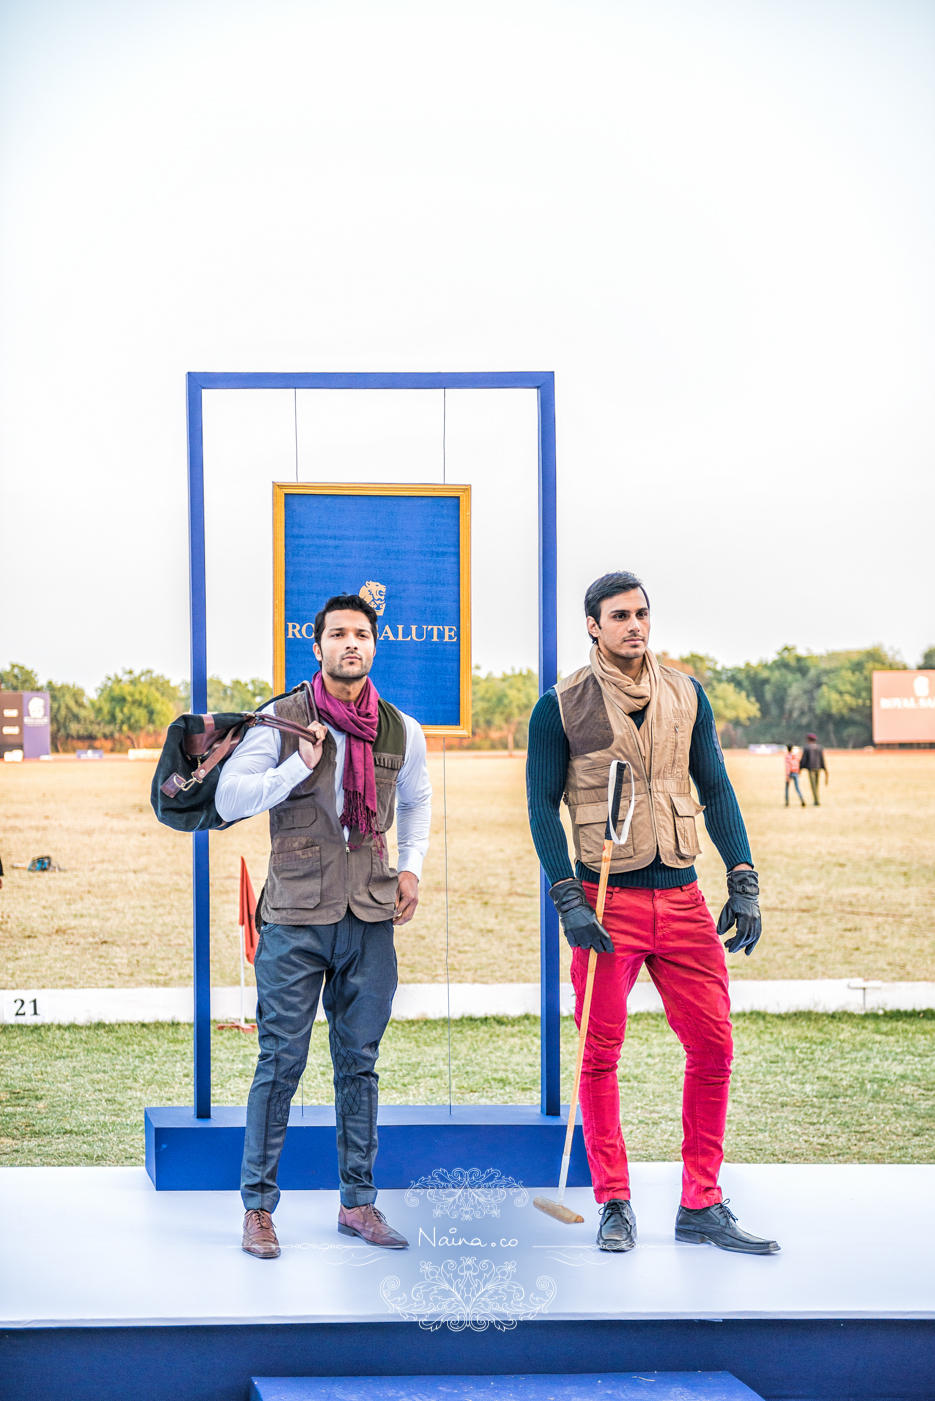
(717, 1225)
(617, 1230)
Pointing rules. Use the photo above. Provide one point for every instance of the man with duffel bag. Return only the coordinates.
(329, 905)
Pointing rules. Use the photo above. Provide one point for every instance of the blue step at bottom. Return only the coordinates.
(614, 1386)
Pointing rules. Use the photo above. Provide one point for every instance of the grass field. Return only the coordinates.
(806, 1087)
(847, 887)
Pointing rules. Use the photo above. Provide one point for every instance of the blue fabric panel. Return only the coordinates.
(830, 1359)
(615, 1386)
(185, 1154)
(411, 546)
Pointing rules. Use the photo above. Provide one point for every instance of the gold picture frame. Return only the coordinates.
(462, 493)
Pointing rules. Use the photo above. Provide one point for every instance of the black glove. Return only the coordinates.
(579, 922)
(742, 908)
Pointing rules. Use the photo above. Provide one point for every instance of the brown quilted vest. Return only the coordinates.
(599, 731)
(314, 875)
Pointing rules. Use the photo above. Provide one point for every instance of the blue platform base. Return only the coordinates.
(588, 1386)
(185, 1154)
(820, 1360)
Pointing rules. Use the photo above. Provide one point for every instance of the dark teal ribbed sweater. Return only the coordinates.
(546, 767)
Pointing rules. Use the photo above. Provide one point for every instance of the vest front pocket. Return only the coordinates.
(294, 881)
(590, 821)
(383, 878)
(296, 814)
(386, 769)
(386, 800)
(685, 811)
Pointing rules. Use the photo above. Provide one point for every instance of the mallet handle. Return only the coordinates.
(585, 1017)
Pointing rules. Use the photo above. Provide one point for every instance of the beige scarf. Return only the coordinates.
(628, 695)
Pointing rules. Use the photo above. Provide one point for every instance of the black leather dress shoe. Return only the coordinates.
(617, 1230)
(718, 1225)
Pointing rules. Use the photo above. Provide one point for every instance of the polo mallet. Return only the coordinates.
(611, 839)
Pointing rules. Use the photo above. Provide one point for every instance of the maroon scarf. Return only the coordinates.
(358, 722)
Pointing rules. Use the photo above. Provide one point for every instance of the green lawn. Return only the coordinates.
(806, 1088)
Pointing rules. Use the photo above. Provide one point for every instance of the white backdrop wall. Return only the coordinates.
(714, 222)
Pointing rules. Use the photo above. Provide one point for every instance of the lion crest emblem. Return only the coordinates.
(374, 594)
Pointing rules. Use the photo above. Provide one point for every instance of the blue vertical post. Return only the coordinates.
(201, 873)
(550, 1025)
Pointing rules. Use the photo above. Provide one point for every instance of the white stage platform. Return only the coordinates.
(99, 1247)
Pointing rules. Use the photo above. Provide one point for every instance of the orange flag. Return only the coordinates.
(247, 913)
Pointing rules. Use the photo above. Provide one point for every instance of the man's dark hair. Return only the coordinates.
(347, 602)
(607, 586)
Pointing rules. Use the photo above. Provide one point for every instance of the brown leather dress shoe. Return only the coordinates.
(259, 1235)
(371, 1225)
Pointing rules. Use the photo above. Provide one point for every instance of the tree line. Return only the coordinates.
(780, 700)
(129, 709)
(775, 701)
(767, 702)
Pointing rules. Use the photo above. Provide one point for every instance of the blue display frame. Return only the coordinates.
(197, 382)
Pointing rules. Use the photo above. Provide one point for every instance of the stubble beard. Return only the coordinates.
(338, 671)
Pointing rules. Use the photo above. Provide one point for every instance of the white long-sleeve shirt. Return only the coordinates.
(253, 780)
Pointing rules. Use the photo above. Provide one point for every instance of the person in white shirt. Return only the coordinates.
(329, 905)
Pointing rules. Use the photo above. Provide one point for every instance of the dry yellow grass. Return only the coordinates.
(847, 887)
(119, 914)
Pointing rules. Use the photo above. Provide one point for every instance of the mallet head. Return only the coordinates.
(561, 1213)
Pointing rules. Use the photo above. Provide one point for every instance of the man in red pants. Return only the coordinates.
(625, 706)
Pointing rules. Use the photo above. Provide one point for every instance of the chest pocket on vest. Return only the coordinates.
(385, 771)
(295, 815)
(684, 811)
(294, 881)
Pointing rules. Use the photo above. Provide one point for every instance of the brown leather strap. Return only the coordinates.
(288, 727)
(201, 743)
(312, 707)
(213, 749)
(222, 748)
(291, 727)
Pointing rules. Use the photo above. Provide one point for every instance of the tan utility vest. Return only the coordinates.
(599, 731)
(314, 875)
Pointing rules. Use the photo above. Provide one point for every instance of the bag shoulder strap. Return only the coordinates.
(213, 745)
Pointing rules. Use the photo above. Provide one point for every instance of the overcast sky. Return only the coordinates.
(713, 220)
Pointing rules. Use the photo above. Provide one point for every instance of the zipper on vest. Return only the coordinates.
(646, 780)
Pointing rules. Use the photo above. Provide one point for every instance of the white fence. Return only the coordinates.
(38, 1006)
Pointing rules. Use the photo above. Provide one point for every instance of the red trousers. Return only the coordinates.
(672, 932)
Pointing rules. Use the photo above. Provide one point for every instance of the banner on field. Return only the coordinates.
(904, 707)
(407, 551)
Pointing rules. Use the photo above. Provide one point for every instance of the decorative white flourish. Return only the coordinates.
(468, 1296)
(575, 1257)
(341, 1254)
(466, 1192)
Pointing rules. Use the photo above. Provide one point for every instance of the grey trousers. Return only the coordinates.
(358, 963)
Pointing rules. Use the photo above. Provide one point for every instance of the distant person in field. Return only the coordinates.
(623, 705)
(813, 761)
(327, 910)
(792, 772)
